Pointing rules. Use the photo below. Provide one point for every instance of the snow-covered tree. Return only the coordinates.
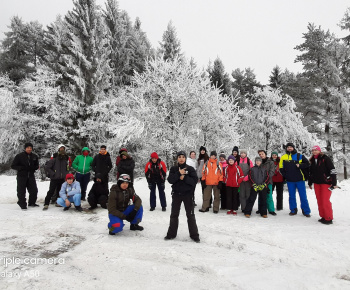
(276, 77)
(219, 77)
(170, 47)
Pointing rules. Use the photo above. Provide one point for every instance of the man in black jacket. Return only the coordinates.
(102, 164)
(26, 163)
(183, 179)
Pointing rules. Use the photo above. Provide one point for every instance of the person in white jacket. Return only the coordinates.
(193, 162)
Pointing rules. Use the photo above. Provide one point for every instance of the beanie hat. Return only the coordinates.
(274, 152)
(231, 157)
(103, 146)
(316, 147)
(124, 178)
(202, 148)
(69, 176)
(213, 153)
(28, 144)
(262, 151)
(124, 153)
(258, 159)
(122, 149)
(181, 153)
(154, 155)
(235, 149)
(59, 147)
(85, 149)
(244, 151)
(222, 155)
(290, 144)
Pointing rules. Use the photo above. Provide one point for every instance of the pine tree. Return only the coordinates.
(170, 47)
(219, 78)
(276, 78)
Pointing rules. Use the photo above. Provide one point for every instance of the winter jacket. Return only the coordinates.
(224, 165)
(82, 164)
(25, 164)
(186, 185)
(288, 167)
(69, 190)
(245, 164)
(212, 172)
(200, 168)
(102, 163)
(99, 188)
(234, 175)
(277, 177)
(58, 167)
(69, 159)
(192, 162)
(126, 166)
(322, 171)
(259, 175)
(270, 167)
(119, 200)
(155, 172)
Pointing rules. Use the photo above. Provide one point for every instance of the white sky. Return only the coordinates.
(252, 33)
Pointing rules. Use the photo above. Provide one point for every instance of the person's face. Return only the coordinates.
(274, 156)
(61, 149)
(193, 155)
(262, 155)
(202, 152)
(154, 160)
(258, 162)
(213, 157)
(123, 156)
(222, 158)
(29, 150)
(315, 152)
(70, 181)
(124, 185)
(181, 159)
(290, 148)
(231, 161)
(103, 150)
(243, 155)
(234, 153)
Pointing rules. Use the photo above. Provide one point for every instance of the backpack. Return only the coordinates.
(304, 171)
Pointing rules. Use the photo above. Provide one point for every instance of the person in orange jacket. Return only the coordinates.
(212, 175)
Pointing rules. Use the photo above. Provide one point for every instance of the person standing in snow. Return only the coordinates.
(278, 181)
(183, 179)
(291, 165)
(57, 168)
(244, 189)
(193, 162)
(270, 167)
(26, 163)
(233, 176)
(98, 193)
(82, 165)
(222, 158)
(70, 193)
(120, 209)
(155, 171)
(324, 178)
(235, 153)
(202, 159)
(126, 165)
(102, 164)
(212, 174)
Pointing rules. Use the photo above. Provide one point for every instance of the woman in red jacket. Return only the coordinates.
(234, 176)
(278, 181)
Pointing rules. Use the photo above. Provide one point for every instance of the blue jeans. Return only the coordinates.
(76, 198)
(116, 224)
(84, 180)
(292, 188)
(153, 197)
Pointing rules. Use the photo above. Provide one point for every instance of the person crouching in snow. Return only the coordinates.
(70, 193)
(119, 209)
(259, 179)
(183, 179)
(234, 176)
(99, 192)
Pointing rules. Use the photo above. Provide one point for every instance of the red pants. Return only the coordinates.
(323, 194)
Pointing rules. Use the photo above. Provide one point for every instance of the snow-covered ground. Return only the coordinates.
(280, 252)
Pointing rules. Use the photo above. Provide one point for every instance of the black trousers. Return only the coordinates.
(175, 211)
(24, 183)
(55, 186)
(232, 198)
(262, 203)
(223, 196)
(279, 198)
(97, 199)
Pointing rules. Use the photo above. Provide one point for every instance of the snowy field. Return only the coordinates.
(280, 252)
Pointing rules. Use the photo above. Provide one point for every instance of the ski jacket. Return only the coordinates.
(224, 165)
(119, 200)
(270, 167)
(259, 175)
(25, 164)
(126, 166)
(57, 167)
(185, 186)
(245, 164)
(322, 171)
(82, 164)
(192, 162)
(288, 167)
(234, 175)
(69, 190)
(155, 172)
(212, 172)
(102, 164)
(69, 159)
(277, 177)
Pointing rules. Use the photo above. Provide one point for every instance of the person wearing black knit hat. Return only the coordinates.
(235, 153)
(202, 158)
(26, 163)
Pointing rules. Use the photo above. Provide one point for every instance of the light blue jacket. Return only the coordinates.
(69, 190)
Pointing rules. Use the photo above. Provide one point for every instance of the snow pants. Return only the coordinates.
(223, 196)
(232, 198)
(84, 180)
(97, 199)
(23, 183)
(292, 188)
(76, 199)
(269, 199)
(116, 224)
(55, 186)
(262, 204)
(323, 195)
(207, 197)
(279, 194)
(161, 191)
(244, 192)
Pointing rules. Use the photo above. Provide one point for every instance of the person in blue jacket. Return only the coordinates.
(70, 193)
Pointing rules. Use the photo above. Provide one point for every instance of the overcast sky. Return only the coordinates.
(258, 33)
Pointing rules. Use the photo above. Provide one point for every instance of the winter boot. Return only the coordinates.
(247, 215)
(257, 212)
(151, 209)
(307, 215)
(325, 222)
(167, 238)
(229, 212)
(264, 216)
(321, 219)
(46, 207)
(78, 208)
(112, 234)
(197, 240)
(272, 213)
(201, 210)
(33, 205)
(215, 211)
(163, 208)
(234, 212)
(293, 212)
(66, 208)
(135, 227)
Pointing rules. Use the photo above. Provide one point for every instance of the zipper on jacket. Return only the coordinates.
(84, 165)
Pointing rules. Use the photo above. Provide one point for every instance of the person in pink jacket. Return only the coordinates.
(223, 198)
(244, 190)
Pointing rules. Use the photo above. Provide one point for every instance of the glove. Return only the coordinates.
(131, 216)
(203, 184)
(149, 185)
(220, 185)
(261, 187)
(255, 187)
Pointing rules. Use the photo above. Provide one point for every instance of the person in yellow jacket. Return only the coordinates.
(212, 175)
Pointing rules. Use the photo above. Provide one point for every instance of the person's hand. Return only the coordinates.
(297, 165)
(67, 202)
(220, 185)
(182, 171)
(131, 216)
(182, 177)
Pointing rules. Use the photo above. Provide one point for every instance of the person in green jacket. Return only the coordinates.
(82, 165)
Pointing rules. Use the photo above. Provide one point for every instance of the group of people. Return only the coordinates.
(233, 182)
